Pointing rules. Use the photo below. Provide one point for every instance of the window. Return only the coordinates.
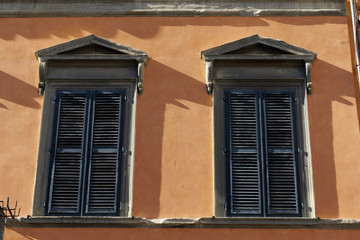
(86, 152)
(86, 148)
(261, 140)
(262, 160)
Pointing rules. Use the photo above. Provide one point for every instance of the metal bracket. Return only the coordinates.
(7, 211)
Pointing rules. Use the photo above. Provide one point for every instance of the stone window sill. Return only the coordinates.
(125, 222)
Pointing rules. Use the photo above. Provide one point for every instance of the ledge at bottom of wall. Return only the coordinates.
(214, 222)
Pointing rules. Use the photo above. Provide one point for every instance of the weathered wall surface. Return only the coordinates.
(178, 233)
(173, 158)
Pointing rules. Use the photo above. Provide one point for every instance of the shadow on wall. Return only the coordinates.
(330, 84)
(163, 86)
(166, 86)
(21, 26)
(16, 91)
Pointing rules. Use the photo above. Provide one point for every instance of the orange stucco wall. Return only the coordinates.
(173, 159)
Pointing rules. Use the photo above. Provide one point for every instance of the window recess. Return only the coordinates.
(85, 161)
(260, 88)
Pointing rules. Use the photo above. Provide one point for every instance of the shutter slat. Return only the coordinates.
(103, 182)
(281, 159)
(244, 166)
(67, 164)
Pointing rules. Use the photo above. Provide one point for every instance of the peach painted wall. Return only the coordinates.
(173, 158)
(177, 234)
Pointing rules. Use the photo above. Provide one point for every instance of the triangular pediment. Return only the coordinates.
(90, 45)
(256, 46)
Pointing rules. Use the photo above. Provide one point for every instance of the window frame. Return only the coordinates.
(88, 63)
(256, 62)
(219, 133)
(46, 135)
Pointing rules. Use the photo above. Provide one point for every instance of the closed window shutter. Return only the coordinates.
(105, 161)
(68, 146)
(244, 157)
(262, 160)
(281, 177)
(86, 153)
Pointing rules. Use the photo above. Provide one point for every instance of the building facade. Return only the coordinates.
(180, 119)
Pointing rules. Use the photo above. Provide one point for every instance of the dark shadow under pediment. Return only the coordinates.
(92, 49)
(257, 49)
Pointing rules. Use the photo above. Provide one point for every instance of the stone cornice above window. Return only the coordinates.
(272, 58)
(93, 49)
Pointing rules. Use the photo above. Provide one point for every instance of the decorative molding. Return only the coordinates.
(123, 222)
(258, 50)
(109, 8)
(308, 68)
(209, 77)
(234, 48)
(87, 46)
(86, 41)
(140, 83)
(42, 76)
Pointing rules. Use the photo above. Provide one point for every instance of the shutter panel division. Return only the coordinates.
(282, 193)
(103, 190)
(262, 157)
(244, 165)
(86, 153)
(67, 152)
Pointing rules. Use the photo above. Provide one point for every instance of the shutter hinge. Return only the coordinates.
(121, 205)
(300, 152)
(125, 98)
(54, 98)
(302, 205)
(44, 204)
(296, 99)
(225, 209)
(123, 149)
(224, 99)
(223, 151)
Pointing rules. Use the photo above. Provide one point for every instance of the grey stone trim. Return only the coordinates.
(118, 222)
(290, 50)
(282, 52)
(84, 41)
(305, 57)
(98, 8)
(61, 53)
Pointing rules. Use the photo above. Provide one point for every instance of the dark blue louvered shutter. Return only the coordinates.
(67, 152)
(244, 166)
(105, 158)
(281, 158)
